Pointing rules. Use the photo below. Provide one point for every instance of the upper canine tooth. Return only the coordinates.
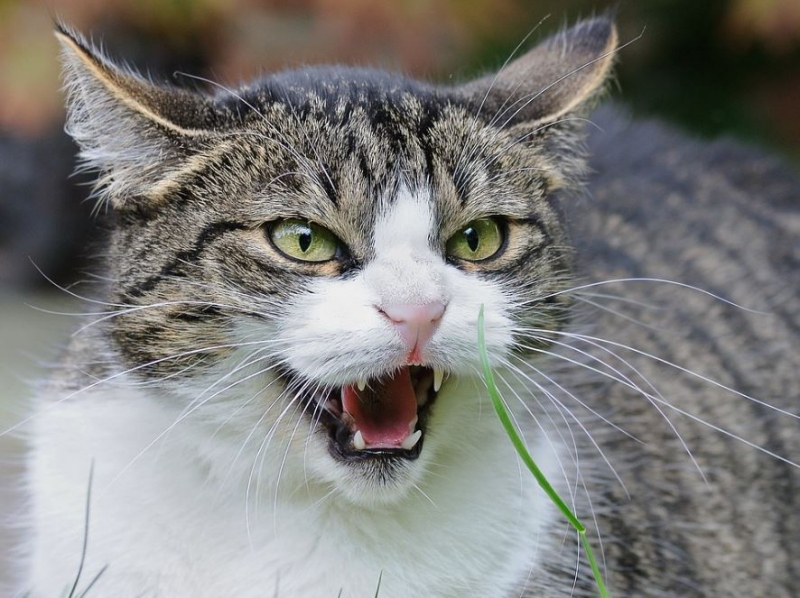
(438, 376)
(362, 383)
(358, 441)
(411, 440)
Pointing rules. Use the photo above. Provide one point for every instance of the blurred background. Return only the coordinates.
(713, 67)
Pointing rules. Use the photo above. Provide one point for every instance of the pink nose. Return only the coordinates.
(415, 323)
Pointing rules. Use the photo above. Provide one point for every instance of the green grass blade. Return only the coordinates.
(522, 451)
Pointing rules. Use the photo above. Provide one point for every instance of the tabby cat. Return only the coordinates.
(279, 391)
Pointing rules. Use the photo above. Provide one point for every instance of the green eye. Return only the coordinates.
(479, 240)
(303, 240)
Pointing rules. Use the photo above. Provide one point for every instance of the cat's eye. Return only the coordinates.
(479, 240)
(304, 240)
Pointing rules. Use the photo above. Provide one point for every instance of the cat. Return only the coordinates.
(280, 394)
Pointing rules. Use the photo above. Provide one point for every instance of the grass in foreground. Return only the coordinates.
(519, 445)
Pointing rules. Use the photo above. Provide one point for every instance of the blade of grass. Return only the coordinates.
(522, 451)
(85, 534)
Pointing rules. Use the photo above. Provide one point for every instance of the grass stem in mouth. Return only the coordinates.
(519, 445)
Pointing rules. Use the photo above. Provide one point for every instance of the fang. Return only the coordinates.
(411, 441)
(358, 441)
(438, 376)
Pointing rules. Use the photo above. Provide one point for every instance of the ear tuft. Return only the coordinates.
(556, 77)
(134, 133)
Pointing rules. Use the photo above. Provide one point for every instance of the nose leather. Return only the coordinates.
(415, 323)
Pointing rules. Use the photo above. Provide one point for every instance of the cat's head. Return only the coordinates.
(302, 260)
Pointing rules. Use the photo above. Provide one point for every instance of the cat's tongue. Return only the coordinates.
(385, 410)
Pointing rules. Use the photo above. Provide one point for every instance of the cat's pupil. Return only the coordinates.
(472, 238)
(304, 240)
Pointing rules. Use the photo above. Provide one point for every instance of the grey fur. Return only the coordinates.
(726, 219)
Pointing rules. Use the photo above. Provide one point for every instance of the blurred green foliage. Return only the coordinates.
(716, 66)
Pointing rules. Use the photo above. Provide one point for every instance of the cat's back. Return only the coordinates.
(708, 389)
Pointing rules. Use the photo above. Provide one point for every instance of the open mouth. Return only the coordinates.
(382, 417)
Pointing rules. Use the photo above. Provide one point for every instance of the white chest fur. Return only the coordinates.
(166, 523)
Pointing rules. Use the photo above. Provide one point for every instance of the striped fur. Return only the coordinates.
(193, 183)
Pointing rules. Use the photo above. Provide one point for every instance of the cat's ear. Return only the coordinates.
(555, 78)
(138, 136)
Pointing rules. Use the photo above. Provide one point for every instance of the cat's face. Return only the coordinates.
(305, 259)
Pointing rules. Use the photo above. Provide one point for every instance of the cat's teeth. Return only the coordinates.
(362, 383)
(412, 424)
(358, 441)
(411, 440)
(438, 376)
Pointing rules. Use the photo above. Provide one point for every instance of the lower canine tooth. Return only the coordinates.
(358, 441)
(438, 376)
(411, 441)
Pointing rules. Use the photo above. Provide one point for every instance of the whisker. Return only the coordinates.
(572, 396)
(621, 377)
(255, 426)
(617, 313)
(686, 371)
(422, 492)
(52, 405)
(527, 100)
(474, 125)
(580, 424)
(181, 417)
(525, 406)
(304, 390)
(560, 405)
(259, 458)
(647, 280)
(621, 299)
(677, 409)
